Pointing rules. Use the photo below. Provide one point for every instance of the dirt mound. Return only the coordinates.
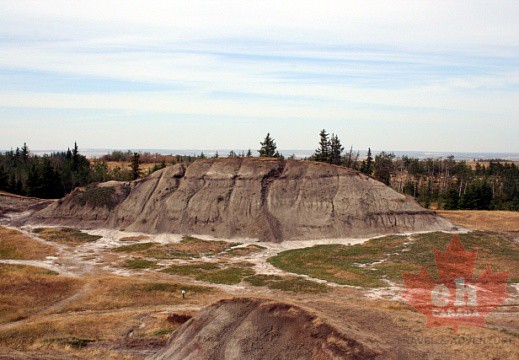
(260, 329)
(269, 199)
(11, 203)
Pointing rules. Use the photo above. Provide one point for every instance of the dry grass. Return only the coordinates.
(134, 238)
(25, 290)
(66, 236)
(499, 221)
(115, 292)
(15, 245)
(244, 251)
(60, 330)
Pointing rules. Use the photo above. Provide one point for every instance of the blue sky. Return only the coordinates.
(399, 75)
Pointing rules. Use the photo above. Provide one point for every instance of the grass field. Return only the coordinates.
(25, 290)
(17, 246)
(499, 221)
(368, 264)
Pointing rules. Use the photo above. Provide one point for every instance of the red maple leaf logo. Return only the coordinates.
(457, 299)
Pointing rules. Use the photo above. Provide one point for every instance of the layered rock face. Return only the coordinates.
(261, 329)
(269, 199)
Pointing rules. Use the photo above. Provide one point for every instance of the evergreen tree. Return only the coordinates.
(367, 165)
(25, 153)
(33, 182)
(232, 154)
(477, 196)
(135, 166)
(75, 157)
(336, 150)
(268, 148)
(452, 199)
(50, 180)
(249, 153)
(384, 167)
(322, 154)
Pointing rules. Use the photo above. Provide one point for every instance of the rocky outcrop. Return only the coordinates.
(261, 329)
(269, 199)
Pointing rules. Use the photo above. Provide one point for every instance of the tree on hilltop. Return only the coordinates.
(322, 153)
(268, 148)
(367, 164)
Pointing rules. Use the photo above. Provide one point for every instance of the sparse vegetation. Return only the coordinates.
(66, 236)
(298, 285)
(134, 247)
(190, 269)
(115, 292)
(134, 238)
(212, 272)
(140, 264)
(262, 279)
(354, 265)
(246, 250)
(188, 247)
(96, 197)
(229, 276)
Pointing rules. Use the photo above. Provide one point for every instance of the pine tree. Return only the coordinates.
(50, 180)
(322, 154)
(232, 154)
(25, 153)
(367, 165)
(268, 148)
(336, 150)
(75, 157)
(384, 167)
(135, 166)
(249, 153)
(33, 182)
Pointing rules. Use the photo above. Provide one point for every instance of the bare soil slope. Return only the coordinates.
(269, 199)
(11, 203)
(260, 329)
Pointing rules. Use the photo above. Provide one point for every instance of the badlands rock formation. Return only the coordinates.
(261, 329)
(269, 199)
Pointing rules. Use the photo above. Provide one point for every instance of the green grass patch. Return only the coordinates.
(65, 235)
(190, 269)
(356, 265)
(140, 264)
(262, 279)
(229, 276)
(134, 247)
(298, 285)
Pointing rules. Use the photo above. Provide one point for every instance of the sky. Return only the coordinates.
(390, 75)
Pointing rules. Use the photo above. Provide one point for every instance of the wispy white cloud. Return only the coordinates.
(417, 61)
